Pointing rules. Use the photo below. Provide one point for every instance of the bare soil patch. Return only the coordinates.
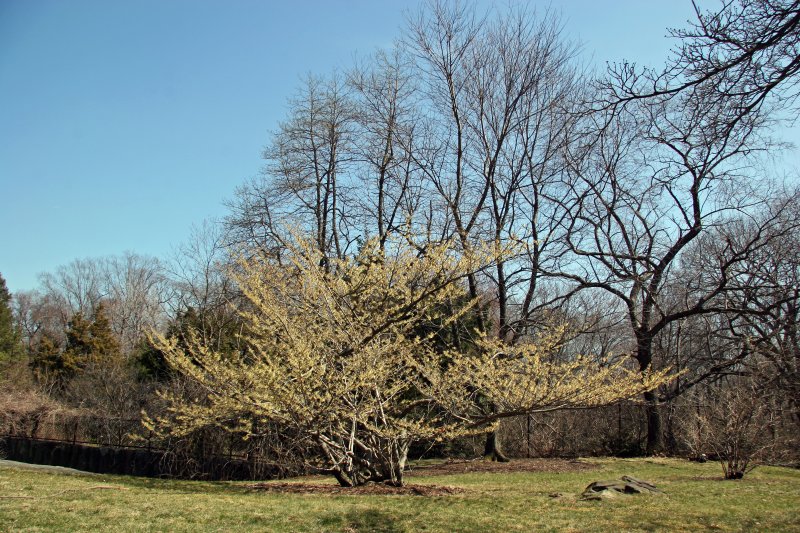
(438, 469)
(369, 489)
(515, 465)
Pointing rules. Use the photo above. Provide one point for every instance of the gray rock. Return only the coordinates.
(610, 488)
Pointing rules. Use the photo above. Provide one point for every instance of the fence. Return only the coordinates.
(122, 446)
(133, 460)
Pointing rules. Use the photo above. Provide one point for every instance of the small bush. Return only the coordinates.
(733, 424)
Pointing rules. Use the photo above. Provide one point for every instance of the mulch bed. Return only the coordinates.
(515, 465)
(440, 469)
(368, 489)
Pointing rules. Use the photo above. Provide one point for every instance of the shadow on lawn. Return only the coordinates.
(370, 520)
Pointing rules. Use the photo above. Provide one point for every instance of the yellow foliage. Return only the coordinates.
(528, 378)
(337, 351)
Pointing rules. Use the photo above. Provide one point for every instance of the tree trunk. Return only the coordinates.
(491, 450)
(397, 464)
(396, 475)
(343, 479)
(670, 438)
(655, 425)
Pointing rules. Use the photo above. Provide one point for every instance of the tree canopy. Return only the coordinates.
(334, 353)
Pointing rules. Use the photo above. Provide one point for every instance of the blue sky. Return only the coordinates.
(122, 123)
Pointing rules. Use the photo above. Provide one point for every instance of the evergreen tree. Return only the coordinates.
(103, 342)
(47, 360)
(89, 342)
(10, 345)
(78, 347)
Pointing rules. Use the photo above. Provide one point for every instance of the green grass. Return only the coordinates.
(695, 499)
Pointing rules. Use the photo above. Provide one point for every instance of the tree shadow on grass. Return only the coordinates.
(362, 520)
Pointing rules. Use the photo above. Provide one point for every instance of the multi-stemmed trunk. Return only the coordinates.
(358, 466)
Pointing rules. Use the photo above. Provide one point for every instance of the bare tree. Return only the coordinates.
(444, 38)
(498, 90)
(136, 292)
(523, 84)
(767, 301)
(734, 425)
(699, 117)
(304, 181)
(36, 313)
(387, 115)
(199, 273)
(644, 187)
(75, 288)
(747, 53)
(131, 287)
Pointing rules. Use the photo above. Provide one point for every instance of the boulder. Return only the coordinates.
(610, 488)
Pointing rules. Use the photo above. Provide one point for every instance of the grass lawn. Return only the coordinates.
(696, 499)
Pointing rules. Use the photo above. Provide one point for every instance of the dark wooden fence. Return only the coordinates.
(132, 460)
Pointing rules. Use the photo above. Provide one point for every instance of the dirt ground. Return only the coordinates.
(449, 467)
(368, 489)
(515, 465)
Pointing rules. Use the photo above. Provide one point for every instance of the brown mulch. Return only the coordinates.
(368, 489)
(515, 465)
(439, 469)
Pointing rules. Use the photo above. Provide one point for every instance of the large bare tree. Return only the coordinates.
(499, 88)
(305, 182)
(669, 164)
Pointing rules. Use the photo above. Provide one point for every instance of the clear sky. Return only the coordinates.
(124, 122)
